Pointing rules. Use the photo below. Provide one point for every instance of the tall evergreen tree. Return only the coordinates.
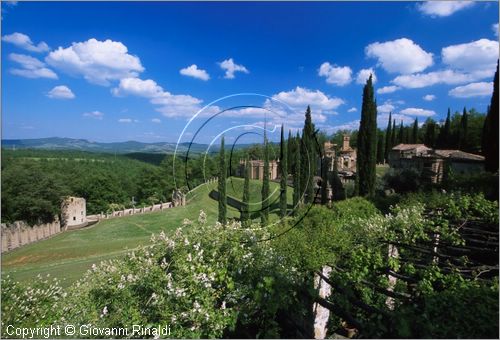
(222, 185)
(400, 133)
(445, 133)
(297, 174)
(430, 133)
(245, 208)
(290, 153)
(283, 174)
(308, 165)
(463, 131)
(380, 147)
(393, 134)
(388, 136)
(491, 130)
(414, 135)
(367, 143)
(264, 215)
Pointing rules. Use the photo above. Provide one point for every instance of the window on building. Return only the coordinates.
(74, 218)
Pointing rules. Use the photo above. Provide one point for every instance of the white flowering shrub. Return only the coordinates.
(204, 281)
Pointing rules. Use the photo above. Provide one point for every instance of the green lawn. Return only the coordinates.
(69, 254)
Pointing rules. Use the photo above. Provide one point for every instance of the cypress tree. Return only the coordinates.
(245, 208)
(393, 136)
(414, 135)
(430, 133)
(491, 130)
(308, 165)
(283, 175)
(463, 131)
(380, 147)
(297, 174)
(388, 137)
(367, 143)
(400, 133)
(222, 185)
(445, 132)
(264, 216)
(289, 152)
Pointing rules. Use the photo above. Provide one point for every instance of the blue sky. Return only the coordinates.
(121, 71)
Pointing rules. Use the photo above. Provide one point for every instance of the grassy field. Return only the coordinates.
(69, 254)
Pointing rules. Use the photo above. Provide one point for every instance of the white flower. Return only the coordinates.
(223, 305)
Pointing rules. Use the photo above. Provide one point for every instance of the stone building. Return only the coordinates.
(73, 211)
(346, 156)
(257, 169)
(434, 164)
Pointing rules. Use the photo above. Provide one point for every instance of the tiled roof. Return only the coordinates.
(406, 147)
(459, 155)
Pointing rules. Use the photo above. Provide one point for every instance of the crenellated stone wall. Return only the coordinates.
(19, 233)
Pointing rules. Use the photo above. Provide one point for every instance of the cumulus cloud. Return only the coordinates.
(61, 92)
(300, 97)
(98, 62)
(429, 97)
(352, 109)
(400, 56)
(352, 125)
(334, 74)
(134, 86)
(479, 55)
(383, 119)
(385, 108)
(156, 120)
(443, 8)
(364, 74)
(170, 105)
(195, 72)
(449, 77)
(94, 114)
(413, 111)
(494, 27)
(127, 120)
(30, 67)
(388, 89)
(481, 89)
(23, 41)
(231, 68)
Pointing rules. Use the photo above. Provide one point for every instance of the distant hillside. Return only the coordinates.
(57, 143)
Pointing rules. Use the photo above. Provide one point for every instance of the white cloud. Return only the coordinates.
(31, 67)
(479, 55)
(353, 125)
(300, 97)
(61, 92)
(134, 86)
(412, 111)
(127, 120)
(429, 97)
(23, 41)
(230, 67)
(443, 8)
(400, 56)
(472, 90)
(335, 74)
(97, 61)
(364, 74)
(494, 27)
(195, 72)
(94, 114)
(168, 104)
(156, 120)
(388, 89)
(352, 109)
(449, 77)
(385, 108)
